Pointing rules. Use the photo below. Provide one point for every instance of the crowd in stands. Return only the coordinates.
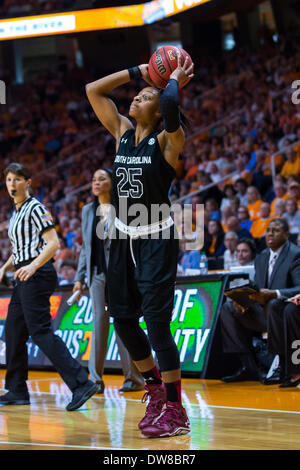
(234, 130)
(13, 8)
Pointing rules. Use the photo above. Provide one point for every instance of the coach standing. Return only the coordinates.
(34, 242)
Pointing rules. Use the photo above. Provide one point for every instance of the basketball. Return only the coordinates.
(163, 62)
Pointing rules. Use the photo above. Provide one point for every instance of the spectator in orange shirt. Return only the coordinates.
(280, 193)
(255, 202)
(259, 226)
(292, 165)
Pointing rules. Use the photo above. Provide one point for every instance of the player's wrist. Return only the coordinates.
(174, 76)
(134, 73)
(34, 265)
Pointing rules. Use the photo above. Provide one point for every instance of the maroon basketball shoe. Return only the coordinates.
(156, 396)
(173, 421)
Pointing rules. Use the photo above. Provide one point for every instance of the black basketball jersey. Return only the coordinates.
(141, 181)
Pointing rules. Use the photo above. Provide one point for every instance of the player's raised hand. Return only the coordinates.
(183, 71)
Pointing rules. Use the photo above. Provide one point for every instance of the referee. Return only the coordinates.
(34, 242)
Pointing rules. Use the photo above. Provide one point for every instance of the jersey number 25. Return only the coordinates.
(129, 179)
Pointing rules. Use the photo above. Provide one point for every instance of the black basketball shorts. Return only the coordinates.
(146, 289)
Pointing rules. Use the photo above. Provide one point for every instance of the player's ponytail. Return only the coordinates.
(184, 121)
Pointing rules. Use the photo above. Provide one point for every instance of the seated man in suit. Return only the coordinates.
(292, 341)
(277, 277)
(284, 318)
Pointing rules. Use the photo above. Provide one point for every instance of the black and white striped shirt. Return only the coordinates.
(26, 228)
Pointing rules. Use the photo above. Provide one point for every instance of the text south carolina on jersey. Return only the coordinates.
(133, 160)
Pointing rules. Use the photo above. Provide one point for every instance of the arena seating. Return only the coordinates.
(240, 114)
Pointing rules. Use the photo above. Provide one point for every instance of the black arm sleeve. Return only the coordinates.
(169, 106)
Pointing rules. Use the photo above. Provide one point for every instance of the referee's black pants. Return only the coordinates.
(29, 315)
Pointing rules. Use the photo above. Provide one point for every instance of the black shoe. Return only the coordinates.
(242, 375)
(10, 398)
(82, 394)
(101, 386)
(276, 378)
(289, 383)
(130, 386)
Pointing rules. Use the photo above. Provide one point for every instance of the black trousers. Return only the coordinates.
(237, 329)
(29, 315)
(280, 319)
(284, 333)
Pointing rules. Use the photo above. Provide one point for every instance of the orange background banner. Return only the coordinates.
(92, 20)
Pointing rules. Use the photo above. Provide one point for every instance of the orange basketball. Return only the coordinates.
(162, 63)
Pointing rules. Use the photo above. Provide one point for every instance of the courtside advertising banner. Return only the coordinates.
(196, 304)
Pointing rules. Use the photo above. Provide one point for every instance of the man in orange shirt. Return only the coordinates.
(255, 202)
(292, 165)
(280, 193)
(259, 226)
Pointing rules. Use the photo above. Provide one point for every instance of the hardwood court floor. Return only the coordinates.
(223, 416)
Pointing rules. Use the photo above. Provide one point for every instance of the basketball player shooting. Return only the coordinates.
(142, 269)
